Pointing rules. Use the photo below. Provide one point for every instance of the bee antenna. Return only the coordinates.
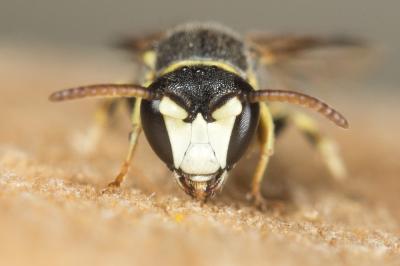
(301, 100)
(103, 90)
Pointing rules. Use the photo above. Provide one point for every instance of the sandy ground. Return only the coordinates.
(52, 211)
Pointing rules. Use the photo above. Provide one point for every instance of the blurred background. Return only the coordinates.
(51, 211)
(92, 24)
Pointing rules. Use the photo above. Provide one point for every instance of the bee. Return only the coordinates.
(200, 102)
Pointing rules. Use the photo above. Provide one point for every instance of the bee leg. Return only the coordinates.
(87, 142)
(266, 138)
(125, 165)
(133, 139)
(326, 146)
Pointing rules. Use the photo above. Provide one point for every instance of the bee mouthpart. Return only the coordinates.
(201, 187)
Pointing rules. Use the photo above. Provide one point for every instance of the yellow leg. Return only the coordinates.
(136, 130)
(326, 146)
(266, 138)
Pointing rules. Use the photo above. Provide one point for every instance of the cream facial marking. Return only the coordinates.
(200, 157)
(231, 108)
(199, 130)
(169, 108)
(200, 160)
(179, 134)
(201, 148)
(219, 134)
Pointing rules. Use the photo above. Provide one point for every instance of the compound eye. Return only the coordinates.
(231, 108)
(169, 108)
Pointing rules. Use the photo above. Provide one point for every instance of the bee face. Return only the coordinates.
(199, 126)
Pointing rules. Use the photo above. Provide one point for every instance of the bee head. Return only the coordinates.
(199, 125)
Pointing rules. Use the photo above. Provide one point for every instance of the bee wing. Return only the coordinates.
(277, 48)
(295, 59)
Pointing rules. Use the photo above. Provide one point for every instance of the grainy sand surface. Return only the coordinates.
(52, 211)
